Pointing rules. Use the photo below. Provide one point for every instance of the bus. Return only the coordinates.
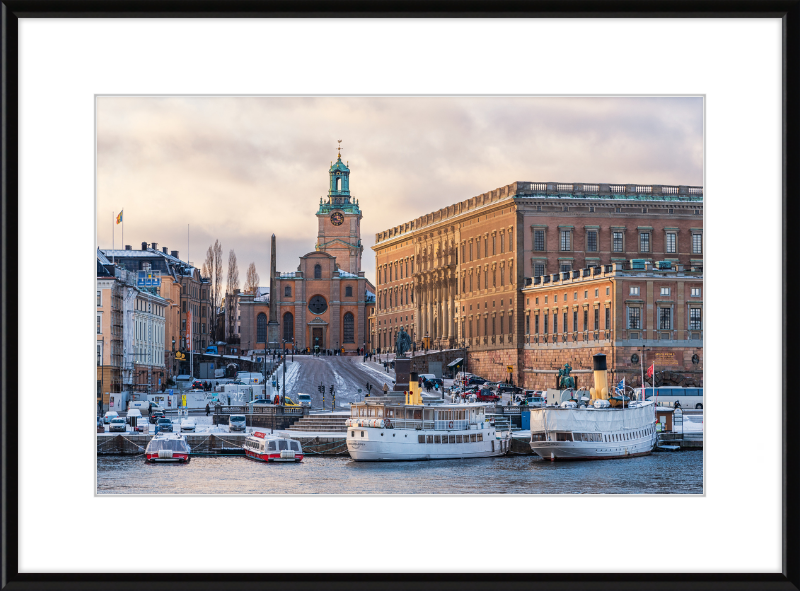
(673, 396)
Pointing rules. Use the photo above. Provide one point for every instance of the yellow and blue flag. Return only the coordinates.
(119, 217)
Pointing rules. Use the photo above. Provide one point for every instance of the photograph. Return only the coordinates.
(399, 295)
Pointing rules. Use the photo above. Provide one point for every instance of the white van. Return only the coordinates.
(141, 405)
(250, 377)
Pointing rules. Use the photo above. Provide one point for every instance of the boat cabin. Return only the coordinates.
(400, 416)
(261, 445)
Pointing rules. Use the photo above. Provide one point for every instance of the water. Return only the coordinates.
(658, 473)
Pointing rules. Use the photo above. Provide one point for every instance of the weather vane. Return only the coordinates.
(340, 148)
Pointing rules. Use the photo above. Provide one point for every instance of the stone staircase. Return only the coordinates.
(321, 423)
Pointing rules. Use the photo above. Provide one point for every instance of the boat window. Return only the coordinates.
(430, 439)
(473, 438)
(354, 411)
(295, 445)
(452, 438)
(458, 439)
(436, 439)
(480, 436)
(420, 439)
(537, 437)
(362, 434)
(282, 445)
(428, 414)
(418, 414)
(352, 433)
(563, 436)
(271, 446)
(380, 411)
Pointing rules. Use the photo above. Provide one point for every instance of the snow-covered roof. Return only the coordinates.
(262, 294)
(101, 258)
(347, 274)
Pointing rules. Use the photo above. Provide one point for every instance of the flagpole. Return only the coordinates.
(113, 235)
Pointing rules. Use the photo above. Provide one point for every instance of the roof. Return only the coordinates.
(101, 258)
(348, 274)
(338, 166)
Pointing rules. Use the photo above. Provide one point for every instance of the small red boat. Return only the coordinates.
(167, 447)
(271, 448)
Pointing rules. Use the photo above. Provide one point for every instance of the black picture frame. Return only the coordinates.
(13, 10)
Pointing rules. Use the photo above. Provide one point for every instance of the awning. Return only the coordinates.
(456, 362)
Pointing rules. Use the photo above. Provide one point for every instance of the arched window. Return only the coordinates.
(349, 328)
(287, 291)
(288, 326)
(317, 272)
(261, 328)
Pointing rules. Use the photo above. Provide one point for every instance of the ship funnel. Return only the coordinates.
(600, 390)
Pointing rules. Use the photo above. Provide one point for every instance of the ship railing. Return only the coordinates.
(452, 425)
(409, 423)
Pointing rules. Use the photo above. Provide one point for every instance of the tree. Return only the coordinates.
(251, 283)
(212, 268)
(233, 285)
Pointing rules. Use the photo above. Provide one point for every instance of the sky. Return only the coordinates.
(191, 170)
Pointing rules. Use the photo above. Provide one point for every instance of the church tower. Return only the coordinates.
(339, 218)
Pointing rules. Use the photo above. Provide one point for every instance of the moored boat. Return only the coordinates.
(168, 447)
(261, 447)
(597, 430)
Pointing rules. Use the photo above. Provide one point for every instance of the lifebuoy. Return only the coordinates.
(387, 423)
(451, 424)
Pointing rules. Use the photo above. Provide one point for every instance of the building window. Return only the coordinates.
(317, 272)
(695, 292)
(511, 241)
(536, 324)
(183, 303)
(634, 319)
(665, 291)
(565, 267)
(575, 321)
(99, 300)
(617, 241)
(694, 319)
(527, 325)
(470, 251)
(634, 291)
(348, 291)
(671, 243)
(585, 319)
(538, 240)
(99, 320)
(608, 318)
(565, 321)
(493, 326)
(664, 319)
(597, 318)
(545, 323)
(697, 243)
(555, 323)
(591, 242)
(288, 327)
(538, 269)
(565, 240)
(261, 328)
(644, 242)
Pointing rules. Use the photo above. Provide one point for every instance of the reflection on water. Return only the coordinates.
(659, 473)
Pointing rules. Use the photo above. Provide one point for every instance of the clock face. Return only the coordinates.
(337, 219)
(317, 304)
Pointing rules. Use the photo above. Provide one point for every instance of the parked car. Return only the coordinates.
(188, 424)
(536, 401)
(304, 399)
(237, 423)
(112, 414)
(476, 380)
(508, 388)
(164, 426)
(140, 424)
(290, 402)
(157, 414)
(101, 427)
(118, 424)
(486, 396)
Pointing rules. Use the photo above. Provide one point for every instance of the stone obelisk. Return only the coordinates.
(273, 328)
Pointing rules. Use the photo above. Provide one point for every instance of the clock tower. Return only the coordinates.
(339, 217)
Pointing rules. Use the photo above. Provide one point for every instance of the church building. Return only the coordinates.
(325, 303)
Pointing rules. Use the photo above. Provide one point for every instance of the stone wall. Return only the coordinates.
(419, 362)
(492, 365)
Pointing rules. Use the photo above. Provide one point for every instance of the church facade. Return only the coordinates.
(325, 303)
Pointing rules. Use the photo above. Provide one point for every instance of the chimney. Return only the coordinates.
(164, 250)
(175, 254)
(144, 245)
(128, 247)
(155, 245)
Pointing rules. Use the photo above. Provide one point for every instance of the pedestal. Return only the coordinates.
(402, 371)
(273, 335)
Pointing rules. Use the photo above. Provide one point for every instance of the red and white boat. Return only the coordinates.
(271, 448)
(167, 447)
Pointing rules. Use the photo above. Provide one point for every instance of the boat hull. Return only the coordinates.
(376, 446)
(272, 458)
(175, 459)
(593, 450)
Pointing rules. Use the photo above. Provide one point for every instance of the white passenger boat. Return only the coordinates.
(391, 428)
(272, 448)
(595, 431)
(167, 447)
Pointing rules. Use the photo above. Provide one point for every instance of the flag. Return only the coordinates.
(620, 389)
(649, 373)
(119, 218)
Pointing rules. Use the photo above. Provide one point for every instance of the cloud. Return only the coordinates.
(239, 169)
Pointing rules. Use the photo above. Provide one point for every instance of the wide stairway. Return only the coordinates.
(321, 423)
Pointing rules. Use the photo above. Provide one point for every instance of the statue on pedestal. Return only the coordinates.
(403, 343)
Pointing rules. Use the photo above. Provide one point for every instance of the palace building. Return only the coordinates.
(326, 302)
(457, 277)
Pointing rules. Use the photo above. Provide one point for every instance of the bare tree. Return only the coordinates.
(251, 283)
(233, 285)
(212, 268)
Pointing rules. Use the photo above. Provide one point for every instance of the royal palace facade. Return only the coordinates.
(457, 277)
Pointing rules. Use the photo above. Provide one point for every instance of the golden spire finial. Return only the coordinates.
(340, 149)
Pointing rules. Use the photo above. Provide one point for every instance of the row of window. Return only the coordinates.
(348, 328)
(486, 324)
(565, 318)
(471, 438)
(664, 318)
(403, 297)
(466, 248)
(594, 437)
(394, 271)
(467, 283)
(617, 241)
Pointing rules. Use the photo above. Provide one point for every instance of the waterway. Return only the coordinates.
(658, 473)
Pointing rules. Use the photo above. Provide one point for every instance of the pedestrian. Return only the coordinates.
(208, 409)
